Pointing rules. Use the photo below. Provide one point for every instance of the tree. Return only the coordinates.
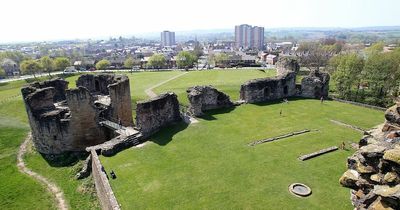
(375, 48)
(198, 52)
(382, 73)
(157, 61)
(131, 62)
(221, 59)
(103, 64)
(314, 55)
(30, 67)
(47, 64)
(61, 63)
(15, 56)
(347, 74)
(2, 72)
(185, 59)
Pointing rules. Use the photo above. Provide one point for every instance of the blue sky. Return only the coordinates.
(26, 20)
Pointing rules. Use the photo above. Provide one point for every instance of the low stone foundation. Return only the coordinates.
(278, 137)
(318, 153)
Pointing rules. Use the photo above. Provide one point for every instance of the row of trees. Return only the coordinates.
(371, 77)
(44, 64)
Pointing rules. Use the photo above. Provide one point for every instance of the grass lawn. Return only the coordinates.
(227, 81)
(18, 191)
(208, 165)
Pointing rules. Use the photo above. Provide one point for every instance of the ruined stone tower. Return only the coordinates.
(64, 119)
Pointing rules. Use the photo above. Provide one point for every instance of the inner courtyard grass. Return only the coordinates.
(205, 165)
(208, 165)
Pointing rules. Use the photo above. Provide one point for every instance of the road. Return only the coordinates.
(28, 77)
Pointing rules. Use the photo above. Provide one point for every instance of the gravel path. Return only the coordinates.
(51, 187)
(152, 94)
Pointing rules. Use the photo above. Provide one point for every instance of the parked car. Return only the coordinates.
(70, 69)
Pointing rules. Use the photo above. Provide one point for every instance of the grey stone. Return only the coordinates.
(203, 98)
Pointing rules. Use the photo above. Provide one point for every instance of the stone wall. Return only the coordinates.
(203, 98)
(268, 89)
(103, 188)
(157, 112)
(49, 124)
(84, 129)
(69, 120)
(120, 95)
(287, 63)
(315, 85)
(118, 89)
(359, 104)
(373, 173)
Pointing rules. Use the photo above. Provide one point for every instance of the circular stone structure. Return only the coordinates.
(300, 189)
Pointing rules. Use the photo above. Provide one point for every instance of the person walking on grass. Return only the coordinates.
(322, 99)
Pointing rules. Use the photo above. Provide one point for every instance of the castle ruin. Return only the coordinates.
(315, 85)
(203, 98)
(69, 120)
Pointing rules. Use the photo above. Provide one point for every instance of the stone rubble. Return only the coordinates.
(373, 173)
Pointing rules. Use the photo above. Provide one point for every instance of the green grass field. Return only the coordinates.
(18, 191)
(228, 81)
(206, 165)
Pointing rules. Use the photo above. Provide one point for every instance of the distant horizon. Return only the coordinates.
(155, 34)
(47, 20)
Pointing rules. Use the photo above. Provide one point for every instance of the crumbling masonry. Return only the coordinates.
(315, 85)
(203, 98)
(373, 173)
(68, 120)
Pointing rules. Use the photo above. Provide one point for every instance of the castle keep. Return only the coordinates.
(63, 119)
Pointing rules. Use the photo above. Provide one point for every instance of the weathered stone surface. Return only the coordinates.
(387, 191)
(64, 119)
(86, 169)
(364, 169)
(378, 204)
(349, 178)
(315, 85)
(157, 112)
(117, 87)
(268, 89)
(286, 64)
(203, 98)
(58, 84)
(391, 177)
(376, 178)
(392, 155)
(372, 150)
(378, 164)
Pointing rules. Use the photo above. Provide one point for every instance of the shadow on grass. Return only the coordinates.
(4, 84)
(65, 159)
(165, 135)
(280, 101)
(209, 115)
